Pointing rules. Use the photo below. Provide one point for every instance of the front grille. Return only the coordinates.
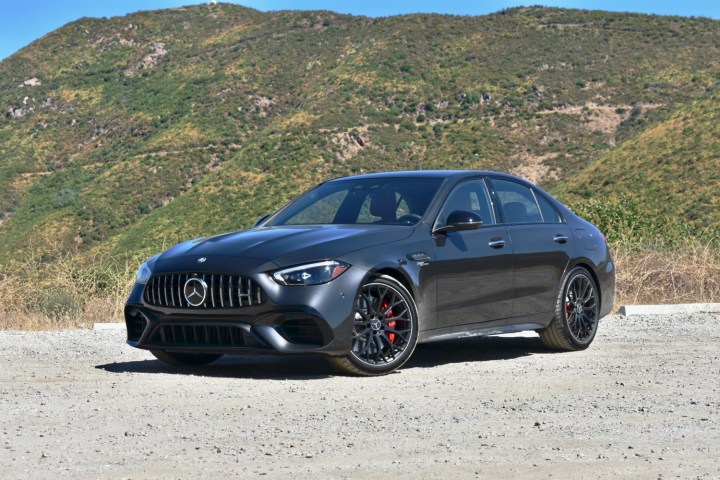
(223, 291)
(180, 335)
(302, 331)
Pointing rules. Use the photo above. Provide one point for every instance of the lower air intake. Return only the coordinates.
(303, 331)
(179, 335)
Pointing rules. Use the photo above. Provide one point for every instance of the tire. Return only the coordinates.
(385, 329)
(577, 312)
(185, 359)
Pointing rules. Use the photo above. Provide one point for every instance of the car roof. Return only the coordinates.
(426, 174)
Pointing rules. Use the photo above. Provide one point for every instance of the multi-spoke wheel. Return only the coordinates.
(184, 359)
(384, 329)
(576, 313)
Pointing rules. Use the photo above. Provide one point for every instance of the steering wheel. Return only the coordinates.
(409, 218)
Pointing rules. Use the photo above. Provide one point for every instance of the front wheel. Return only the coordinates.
(385, 329)
(184, 359)
(577, 313)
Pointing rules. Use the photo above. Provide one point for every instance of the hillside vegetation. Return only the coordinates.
(157, 126)
(672, 169)
(121, 136)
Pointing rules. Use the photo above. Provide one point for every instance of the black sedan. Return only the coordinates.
(361, 269)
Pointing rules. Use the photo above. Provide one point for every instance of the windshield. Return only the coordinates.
(384, 201)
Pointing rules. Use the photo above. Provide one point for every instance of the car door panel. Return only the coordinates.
(541, 257)
(541, 245)
(474, 279)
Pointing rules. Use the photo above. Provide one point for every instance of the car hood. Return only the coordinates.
(290, 245)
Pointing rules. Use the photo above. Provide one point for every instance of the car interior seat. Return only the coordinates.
(382, 204)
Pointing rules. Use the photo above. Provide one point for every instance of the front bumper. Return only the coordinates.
(293, 320)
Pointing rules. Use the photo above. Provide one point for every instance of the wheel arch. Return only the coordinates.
(587, 266)
(399, 276)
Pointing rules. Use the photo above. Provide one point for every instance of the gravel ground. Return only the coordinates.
(642, 402)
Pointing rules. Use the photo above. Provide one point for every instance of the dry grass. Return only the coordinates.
(665, 276)
(55, 292)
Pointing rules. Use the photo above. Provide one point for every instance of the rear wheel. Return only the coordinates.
(576, 313)
(184, 359)
(385, 329)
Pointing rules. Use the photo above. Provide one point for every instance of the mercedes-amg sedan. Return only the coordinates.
(361, 269)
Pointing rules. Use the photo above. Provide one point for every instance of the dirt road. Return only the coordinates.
(642, 402)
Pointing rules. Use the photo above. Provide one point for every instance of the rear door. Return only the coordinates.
(541, 245)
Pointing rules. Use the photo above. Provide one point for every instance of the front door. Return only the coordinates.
(473, 268)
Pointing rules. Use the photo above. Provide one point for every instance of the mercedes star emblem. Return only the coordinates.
(195, 291)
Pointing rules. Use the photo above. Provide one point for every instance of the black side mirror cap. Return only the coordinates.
(460, 220)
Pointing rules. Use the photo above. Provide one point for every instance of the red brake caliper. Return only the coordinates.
(388, 315)
(567, 309)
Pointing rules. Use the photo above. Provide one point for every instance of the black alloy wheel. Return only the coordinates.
(385, 329)
(576, 313)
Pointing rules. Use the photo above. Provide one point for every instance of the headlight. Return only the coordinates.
(144, 272)
(311, 274)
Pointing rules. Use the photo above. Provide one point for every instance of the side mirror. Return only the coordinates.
(460, 220)
(261, 220)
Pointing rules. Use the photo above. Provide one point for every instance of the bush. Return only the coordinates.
(627, 220)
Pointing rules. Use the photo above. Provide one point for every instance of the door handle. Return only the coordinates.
(496, 243)
(560, 238)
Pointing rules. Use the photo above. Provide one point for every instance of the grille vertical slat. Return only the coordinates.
(204, 277)
(240, 280)
(179, 290)
(172, 289)
(222, 292)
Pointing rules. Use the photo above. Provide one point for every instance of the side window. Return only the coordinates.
(549, 213)
(471, 196)
(518, 202)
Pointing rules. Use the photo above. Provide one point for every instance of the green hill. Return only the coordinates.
(134, 132)
(671, 168)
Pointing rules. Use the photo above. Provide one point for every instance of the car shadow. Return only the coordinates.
(268, 367)
(476, 349)
(263, 367)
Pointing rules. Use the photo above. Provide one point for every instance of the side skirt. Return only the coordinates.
(531, 322)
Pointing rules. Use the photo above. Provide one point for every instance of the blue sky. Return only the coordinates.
(23, 21)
